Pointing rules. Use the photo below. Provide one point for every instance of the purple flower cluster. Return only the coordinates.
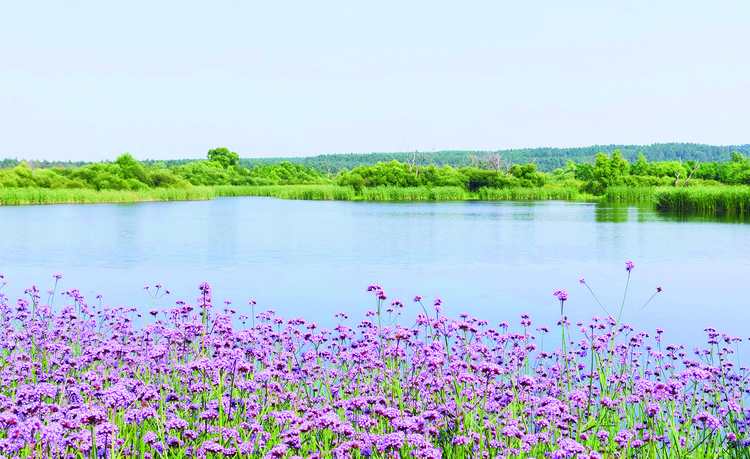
(86, 381)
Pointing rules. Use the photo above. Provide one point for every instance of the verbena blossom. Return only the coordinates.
(204, 386)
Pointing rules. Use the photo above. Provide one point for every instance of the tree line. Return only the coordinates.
(126, 173)
(546, 159)
(490, 170)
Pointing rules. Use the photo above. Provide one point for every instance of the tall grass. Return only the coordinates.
(630, 193)
(726, 198)
(529, 194)
(17, 196)
(327, 192)
(345, 193)
(305, 192)
(392, 193)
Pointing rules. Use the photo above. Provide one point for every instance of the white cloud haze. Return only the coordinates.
(85, 80)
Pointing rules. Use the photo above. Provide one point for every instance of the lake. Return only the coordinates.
(493, 260)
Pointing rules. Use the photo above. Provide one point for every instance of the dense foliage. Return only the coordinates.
(546, 159)
(126, 173)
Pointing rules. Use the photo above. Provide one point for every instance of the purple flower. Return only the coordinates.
(461, 440)
(582, 280)
(212, 446)
(570, 446)
(561, 295)
(629, 265)
(417, 298)
(658, 289)
(56, 276)
(511, 431)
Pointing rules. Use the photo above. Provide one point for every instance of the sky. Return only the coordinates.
(90, 80)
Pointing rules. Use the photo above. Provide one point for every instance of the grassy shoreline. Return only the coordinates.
(31, 195)
(703, 198)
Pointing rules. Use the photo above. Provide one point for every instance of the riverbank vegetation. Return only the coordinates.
(669, 184)
(83, 379)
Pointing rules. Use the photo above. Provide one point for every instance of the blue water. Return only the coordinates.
(493, 260)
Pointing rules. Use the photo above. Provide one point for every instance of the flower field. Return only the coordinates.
(85, 380)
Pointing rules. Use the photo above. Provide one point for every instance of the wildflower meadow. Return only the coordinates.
(81, 379)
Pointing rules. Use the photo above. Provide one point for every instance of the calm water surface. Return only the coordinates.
(494, 260)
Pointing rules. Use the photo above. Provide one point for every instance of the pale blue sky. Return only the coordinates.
(88, 80)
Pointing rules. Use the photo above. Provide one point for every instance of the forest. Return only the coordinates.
(546, 159)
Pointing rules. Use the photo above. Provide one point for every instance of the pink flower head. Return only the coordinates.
(561, 295)
(629, 265)
(658, 289)
(417, 298)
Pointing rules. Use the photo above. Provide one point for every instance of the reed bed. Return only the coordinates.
(529, 194)
(345, 193)
(725, 198)
(630, 193)
(31, 195)
(392, 193)
(713, 198)
(303, 192)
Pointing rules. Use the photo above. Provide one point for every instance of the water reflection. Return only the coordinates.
(494, 260)
(698, 216)
(621, 212)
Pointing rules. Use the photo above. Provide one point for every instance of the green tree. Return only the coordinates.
(640, 167)
(610, 171)
(352, 179)
(129, 168)
(528, 176)
(584, 172)
(224, 157)
(736, 171)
